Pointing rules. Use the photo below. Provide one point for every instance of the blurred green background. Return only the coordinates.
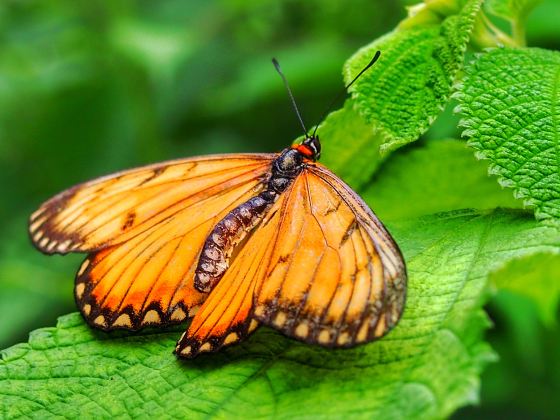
(91, 87)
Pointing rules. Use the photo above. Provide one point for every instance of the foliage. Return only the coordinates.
(421, 189)
(509, 103)
(414, 77)
(355, 162)
(512, 9)
(93, 88)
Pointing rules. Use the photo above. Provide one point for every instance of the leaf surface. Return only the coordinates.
(510, 104)
(432, 177)
(350, 145)
(408, 87)
(427, 367)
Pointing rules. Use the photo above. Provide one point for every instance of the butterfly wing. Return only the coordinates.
(115, 208)
(336, 277)
(143, 275)
(226, 315)
(320, 268)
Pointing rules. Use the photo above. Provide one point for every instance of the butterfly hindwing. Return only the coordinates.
(335, 276)
(226, 316)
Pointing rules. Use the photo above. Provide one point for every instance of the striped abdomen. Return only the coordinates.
(214, 259)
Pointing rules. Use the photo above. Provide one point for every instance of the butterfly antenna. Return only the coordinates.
(343, 91)
(279, 70)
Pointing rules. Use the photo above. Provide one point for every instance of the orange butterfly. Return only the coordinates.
(230, 241)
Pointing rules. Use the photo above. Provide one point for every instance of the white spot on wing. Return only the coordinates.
(324, 337)
(205, 347)
(231, 338)
(259, 311)
(343, 339)
(64, 245)
(280, 319)
(178, 315)
(100, 320)
(254, 324)
(80, 287)
(151, 317)
(302, 330)
(186, 351)
(122, 321)
(362, 333)
(83, 267)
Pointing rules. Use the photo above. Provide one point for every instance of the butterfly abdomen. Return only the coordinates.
(215, 255)
(234, 227)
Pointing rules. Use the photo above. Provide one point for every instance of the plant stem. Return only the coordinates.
(518, 31)
(500, 37)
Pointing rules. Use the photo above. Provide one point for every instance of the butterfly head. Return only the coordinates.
(310, 148)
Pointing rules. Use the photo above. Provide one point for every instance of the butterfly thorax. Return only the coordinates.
(234, 227)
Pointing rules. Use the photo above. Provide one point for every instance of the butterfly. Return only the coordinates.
(230, 241)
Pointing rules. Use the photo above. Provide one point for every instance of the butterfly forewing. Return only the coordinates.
(115, 208)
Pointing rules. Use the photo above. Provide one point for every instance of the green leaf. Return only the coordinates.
(434, 176)
(510, 107)
(512, 10)
(427, 367)
(350, 146)
(408, 87)
(535, 276)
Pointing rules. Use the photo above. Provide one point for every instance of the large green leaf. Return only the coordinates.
(427, 367)
(434, 176)
(510, 107)
(408, 87)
